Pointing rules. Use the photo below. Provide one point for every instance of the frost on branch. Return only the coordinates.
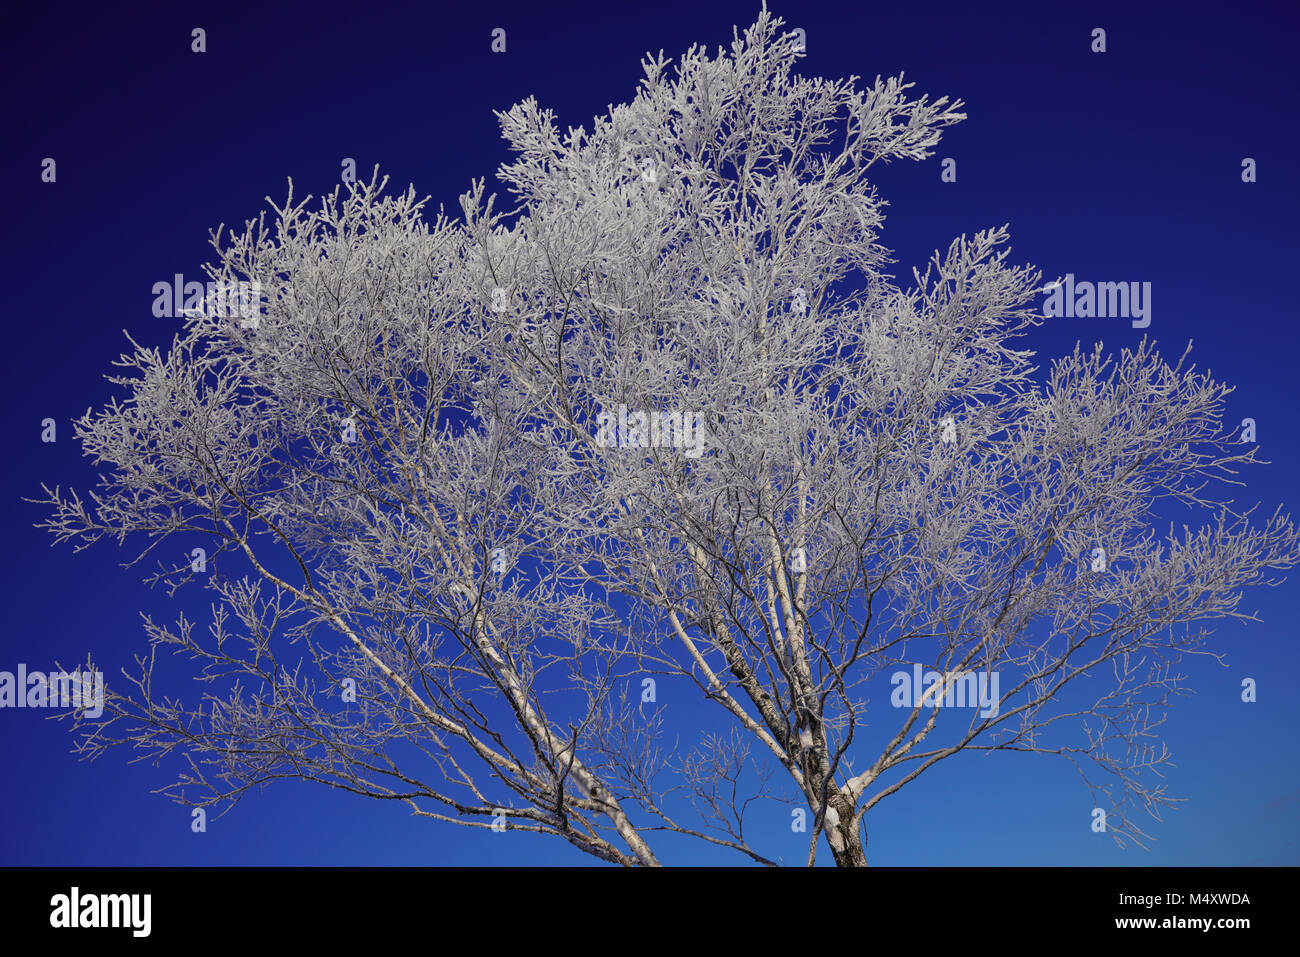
(432, 581)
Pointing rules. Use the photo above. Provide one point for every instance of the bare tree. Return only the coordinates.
(470, 489)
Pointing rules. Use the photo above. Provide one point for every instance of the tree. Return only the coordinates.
(472, 489)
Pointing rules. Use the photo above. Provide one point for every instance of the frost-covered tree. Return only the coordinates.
(487, 500)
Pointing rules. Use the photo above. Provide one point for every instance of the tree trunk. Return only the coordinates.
(842, 836)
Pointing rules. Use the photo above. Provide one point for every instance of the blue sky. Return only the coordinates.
(1116, 166)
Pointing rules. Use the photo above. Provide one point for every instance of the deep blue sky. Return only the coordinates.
(1121, 166)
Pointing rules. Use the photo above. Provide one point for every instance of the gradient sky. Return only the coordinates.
(1123, 166)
